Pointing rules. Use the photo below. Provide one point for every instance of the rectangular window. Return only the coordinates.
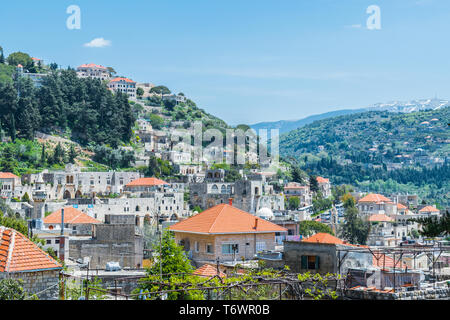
(310, 262)
(230, 248)
(260, 246)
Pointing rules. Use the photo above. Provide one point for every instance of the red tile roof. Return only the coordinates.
(8, 175)
(146, 182)
(224, 218)
(322, 180)
(374, 197)
(20, 254)
(380, 218)
(324, 238)
(400, 206)
(122, 79)
(382, 260)
(429, 209)
(71, 216)
(92, 65)
(208, 270)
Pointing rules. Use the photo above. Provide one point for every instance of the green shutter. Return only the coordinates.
(304, 262)
(317, 263)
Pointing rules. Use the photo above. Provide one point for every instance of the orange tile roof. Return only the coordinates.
(400, 206)
(380, 218)
(71, 215)
(146, 182)
(374, 197)
(382, 260)
(224, 218)
(92, 65)
(429, 209)
(322, 237)
(208, 270)
(322, 180)
(8, 175)
(122, 79)
(20, 254)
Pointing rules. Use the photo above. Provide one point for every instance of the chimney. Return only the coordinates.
(230, 201)
(256, 224)
(62, 221)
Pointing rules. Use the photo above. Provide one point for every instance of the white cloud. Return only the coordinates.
(98, 43)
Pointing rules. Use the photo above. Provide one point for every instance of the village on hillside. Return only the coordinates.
(96, 234)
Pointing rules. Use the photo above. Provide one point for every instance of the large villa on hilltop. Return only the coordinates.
(123, 85)
(94, 71)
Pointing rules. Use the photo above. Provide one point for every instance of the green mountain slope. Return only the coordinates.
(378, 151)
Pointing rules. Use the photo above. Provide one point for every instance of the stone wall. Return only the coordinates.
(38, 281)
(426, 294)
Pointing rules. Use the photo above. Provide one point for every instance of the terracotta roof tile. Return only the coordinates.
(71, 215)
(122, 79)
(224, 218)
(324, 238)
(380, 218)
(374, 197)
(429, 209)
(382, 260)
(146, 182)
(322, 180)
(18, 253)
(8, 175)
(208, 270)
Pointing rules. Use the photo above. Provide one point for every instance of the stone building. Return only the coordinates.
(249, 194)
(73, 183)
(226, 233)
(20, 258)
(8, 184)
(376, 204)
(77, 222)
(93, 71)
(117, 240)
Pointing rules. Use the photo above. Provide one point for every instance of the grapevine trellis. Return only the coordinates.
(261, 285)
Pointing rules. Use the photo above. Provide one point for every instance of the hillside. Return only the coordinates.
(285, 126)
(378, 150)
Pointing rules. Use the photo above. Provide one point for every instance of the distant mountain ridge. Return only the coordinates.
(285, 126)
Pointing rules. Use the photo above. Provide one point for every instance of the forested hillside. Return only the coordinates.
(82, 108)
(378, 151)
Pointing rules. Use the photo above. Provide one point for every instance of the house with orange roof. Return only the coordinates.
(321, 253)
(93, 71)
(20, 258)
(123, 85)
(226, 233)
(324, 186)
(76, 221)
(8, 184)
(302, 192)
(429, 211)
(374, 203)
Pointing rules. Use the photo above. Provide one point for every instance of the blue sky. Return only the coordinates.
(250, 61)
